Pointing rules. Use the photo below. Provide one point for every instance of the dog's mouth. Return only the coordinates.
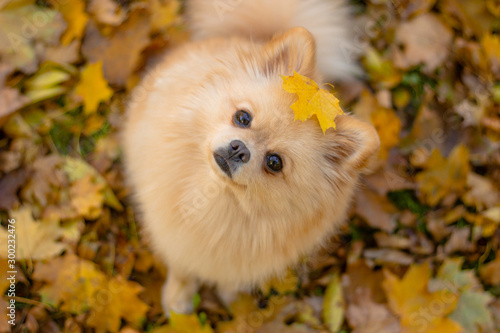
(223, 164)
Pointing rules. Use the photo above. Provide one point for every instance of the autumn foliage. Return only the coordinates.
(419, 253)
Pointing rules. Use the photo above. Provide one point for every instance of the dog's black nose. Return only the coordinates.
(238, 151)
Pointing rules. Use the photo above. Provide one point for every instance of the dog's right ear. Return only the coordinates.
(294, 50)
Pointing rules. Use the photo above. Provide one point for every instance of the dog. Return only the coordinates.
(231, 189)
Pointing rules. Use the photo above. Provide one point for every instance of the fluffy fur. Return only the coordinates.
(236, 232)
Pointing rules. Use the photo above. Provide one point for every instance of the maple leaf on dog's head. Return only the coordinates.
(312, 100)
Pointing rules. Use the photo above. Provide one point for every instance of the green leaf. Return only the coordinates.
(333, 305)
(472, 312)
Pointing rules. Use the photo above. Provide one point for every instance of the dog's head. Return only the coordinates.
(256, 147)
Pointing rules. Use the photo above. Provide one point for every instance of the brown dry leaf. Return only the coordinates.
(482, 193)
(409, 8)
(119, 52)
(11, 99)
(22, 35)
(107, 12)
(388, 256)
(376, 210)
(410, 298)
(460, 242)
(35, 240)
(10, 184)
(425, 39)
(444, 177)
(366, 316)
(46, 178)
(358, 277)
(490, 273)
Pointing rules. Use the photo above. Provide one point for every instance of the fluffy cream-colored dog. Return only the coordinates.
(231, 189)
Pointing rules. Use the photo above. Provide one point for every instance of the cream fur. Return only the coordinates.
(236, 233)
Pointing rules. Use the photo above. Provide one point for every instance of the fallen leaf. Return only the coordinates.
(443, 177)
(490, 273)
(388, 126)
(76, 285)
(10, 185)
(93, 87)
(366, 316)
(35, 240)
(86, 197)
(482, 193)
(163, 13)
(472, 311)
(75, 16)
(181, 323)
(120, 52)
(21, 33)
(376, 210)
(45, 177)
(312, 100)
(425, 39)
(411, 300)
(107, 12)
(333, 305)
(11, 99)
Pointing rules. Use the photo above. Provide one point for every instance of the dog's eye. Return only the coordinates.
(274, 162)
(242, 118)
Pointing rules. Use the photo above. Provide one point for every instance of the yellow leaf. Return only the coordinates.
(163, 13)
(312, 100)
(420, 310)
(491, 48)
(181, 323)
(388, 126)
(73, 12)
(281, 284)
(87, 197)
(444, 177)
(93, 87)
(77, 285)
(35, 240)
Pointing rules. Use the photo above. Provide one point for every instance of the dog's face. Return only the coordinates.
(255, 146)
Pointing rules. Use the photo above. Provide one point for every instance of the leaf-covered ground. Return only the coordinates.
(420, 252)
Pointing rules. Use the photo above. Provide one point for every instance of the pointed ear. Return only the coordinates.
(353, 145)
(293, 50)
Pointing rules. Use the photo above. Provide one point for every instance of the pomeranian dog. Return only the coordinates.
(231, 189)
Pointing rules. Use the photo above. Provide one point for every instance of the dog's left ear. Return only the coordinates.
(353, 145)
(294, 50)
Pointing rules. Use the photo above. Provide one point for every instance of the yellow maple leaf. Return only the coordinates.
(35, 240)
(444, 177)
(312, 100)
(93, 87)
(87, 197)
(76, 286)
(420, 310)
(73, 12)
